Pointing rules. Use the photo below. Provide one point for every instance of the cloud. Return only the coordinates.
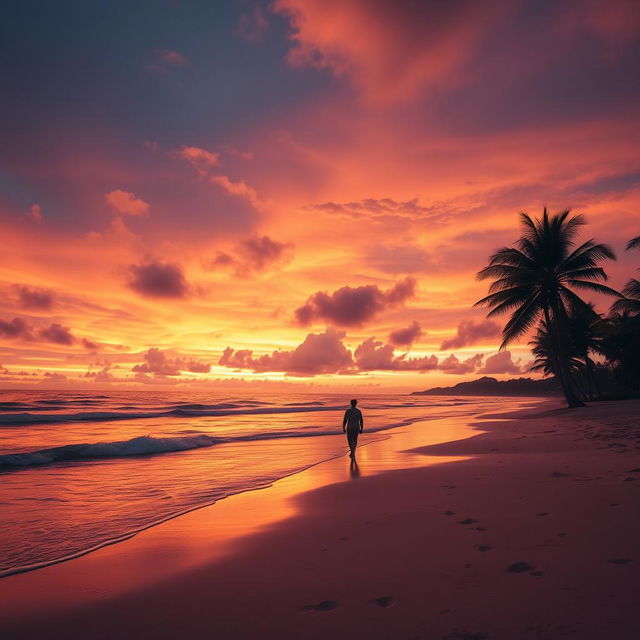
(452, 365)
(126, 203)
(373, 355)
(163, 61)
(240, 189)
(384, 209)
(103, 375)
(16, 328)
(407, 336)
(89, 345)
(55, 376)
(158, 280)
(157, 363)
(470, 332)
(388, 50)
(253, 255)
(252, 25)
(201, 159)
(34, 298)
(353, 306)
(501, 362)
(57, 334)
(319, 353)
(35, 213)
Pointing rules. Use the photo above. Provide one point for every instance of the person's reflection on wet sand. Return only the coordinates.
(354, 470)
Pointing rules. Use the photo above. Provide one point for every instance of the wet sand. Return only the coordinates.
(529, 529)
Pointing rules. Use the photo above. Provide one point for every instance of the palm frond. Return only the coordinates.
(634, 243)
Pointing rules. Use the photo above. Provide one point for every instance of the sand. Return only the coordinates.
(529, 529)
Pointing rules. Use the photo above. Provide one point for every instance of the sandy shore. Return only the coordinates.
(529, 529)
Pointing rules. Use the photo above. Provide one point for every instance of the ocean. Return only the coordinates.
(81, 470)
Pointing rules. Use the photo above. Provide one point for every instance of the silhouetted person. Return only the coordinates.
(352, 424)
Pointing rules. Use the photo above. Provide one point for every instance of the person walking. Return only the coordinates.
(352, 425)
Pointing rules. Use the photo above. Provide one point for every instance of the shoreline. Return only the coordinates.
(309, 581)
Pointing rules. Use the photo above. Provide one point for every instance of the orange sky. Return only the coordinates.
(298, 191)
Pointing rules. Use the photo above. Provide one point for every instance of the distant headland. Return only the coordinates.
(487, 386)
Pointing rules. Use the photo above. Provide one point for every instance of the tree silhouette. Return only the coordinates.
(631, 302)
(536, 278)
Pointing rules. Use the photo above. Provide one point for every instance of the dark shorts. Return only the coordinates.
(352, 437)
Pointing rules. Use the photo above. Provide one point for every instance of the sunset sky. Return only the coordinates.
(203, 194)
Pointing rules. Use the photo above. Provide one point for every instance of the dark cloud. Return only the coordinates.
(158, 280)
(157, 363)
(89, 345)
(16, 328)
(353, 306)
(254, 255)
(470, 332)
(20, 329)
(452, 365)
(319, 353)
(407, 336)
(57, 334)
(501, 362)
(35, 298)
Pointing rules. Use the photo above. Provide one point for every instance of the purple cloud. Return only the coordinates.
(501, 362)
(318, 353)
(57, 334)
(353, 306)
(158, 280)
(34, 298)
(470, 332)
(157, 363)
(373, 355)
(452, 365)
(253, 255)
(407, 336)
(16, 328)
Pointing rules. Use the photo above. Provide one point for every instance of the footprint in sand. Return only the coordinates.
(559, 474)
(519, 567)
(325, 605)
(383, 601)
(482, 547)
(468, 521)
(449, 513)
(543, 513)
(620, 560)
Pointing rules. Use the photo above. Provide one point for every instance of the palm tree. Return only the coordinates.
(631, 302)
(537, 277)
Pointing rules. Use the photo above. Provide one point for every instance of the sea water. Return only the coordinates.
(81, 470)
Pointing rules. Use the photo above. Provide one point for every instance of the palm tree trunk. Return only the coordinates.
(560, 361)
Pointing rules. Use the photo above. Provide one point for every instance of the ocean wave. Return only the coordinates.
(150, 445)
(224, 409)
(143, 445)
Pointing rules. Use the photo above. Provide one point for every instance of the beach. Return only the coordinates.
(526, 529)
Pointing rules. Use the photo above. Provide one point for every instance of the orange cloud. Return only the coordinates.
(239, 188)
(201, 159)
(389, 50)
(126, 203)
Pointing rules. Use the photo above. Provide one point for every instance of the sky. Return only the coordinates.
(296, 193)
